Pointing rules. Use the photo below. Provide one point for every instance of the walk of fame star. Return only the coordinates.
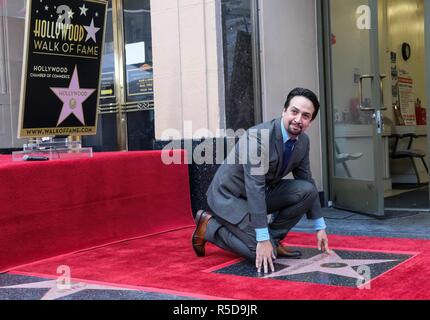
(72, 97)
(57, 291)
(325, 263)
(346, 268)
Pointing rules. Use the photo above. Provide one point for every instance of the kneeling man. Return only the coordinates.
(249, 188)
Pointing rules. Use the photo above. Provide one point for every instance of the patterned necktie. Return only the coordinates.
(288, 150)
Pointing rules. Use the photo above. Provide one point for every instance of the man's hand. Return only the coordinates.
(323, 242)
(265, 256)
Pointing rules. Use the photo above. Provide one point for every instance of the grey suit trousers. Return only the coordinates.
(288, 202)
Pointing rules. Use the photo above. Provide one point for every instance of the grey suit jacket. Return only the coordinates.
(236, 190)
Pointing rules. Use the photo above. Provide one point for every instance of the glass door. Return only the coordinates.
(355, 104)
(126, 104)
(137, 105)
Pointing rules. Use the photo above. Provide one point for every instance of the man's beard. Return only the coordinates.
(295, 131)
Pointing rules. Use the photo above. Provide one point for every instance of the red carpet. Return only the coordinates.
(56, 207)
(166, 262)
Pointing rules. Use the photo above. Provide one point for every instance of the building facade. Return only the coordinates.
(196, 68)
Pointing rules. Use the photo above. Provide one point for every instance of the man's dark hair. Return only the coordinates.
(302, 92)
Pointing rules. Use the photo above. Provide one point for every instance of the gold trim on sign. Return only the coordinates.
(63, 55)
(98, 1)
(58, 131)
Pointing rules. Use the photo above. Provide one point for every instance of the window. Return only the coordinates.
(239, 71)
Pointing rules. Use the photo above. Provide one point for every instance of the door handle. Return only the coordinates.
(360, 89)
(381, 86)
(382, 77)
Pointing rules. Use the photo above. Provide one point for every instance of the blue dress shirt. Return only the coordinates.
(263, 233)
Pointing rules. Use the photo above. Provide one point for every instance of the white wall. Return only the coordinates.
(289, 59)
(188, 60)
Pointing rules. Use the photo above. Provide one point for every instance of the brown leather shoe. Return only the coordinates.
(198, 241)
(284, 252)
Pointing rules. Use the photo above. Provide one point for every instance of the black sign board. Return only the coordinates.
(62, 66)
(139, 82)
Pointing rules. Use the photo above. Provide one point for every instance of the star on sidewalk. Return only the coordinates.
(91, 31)
(56, 291)
(325, 263)
(72, 98)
